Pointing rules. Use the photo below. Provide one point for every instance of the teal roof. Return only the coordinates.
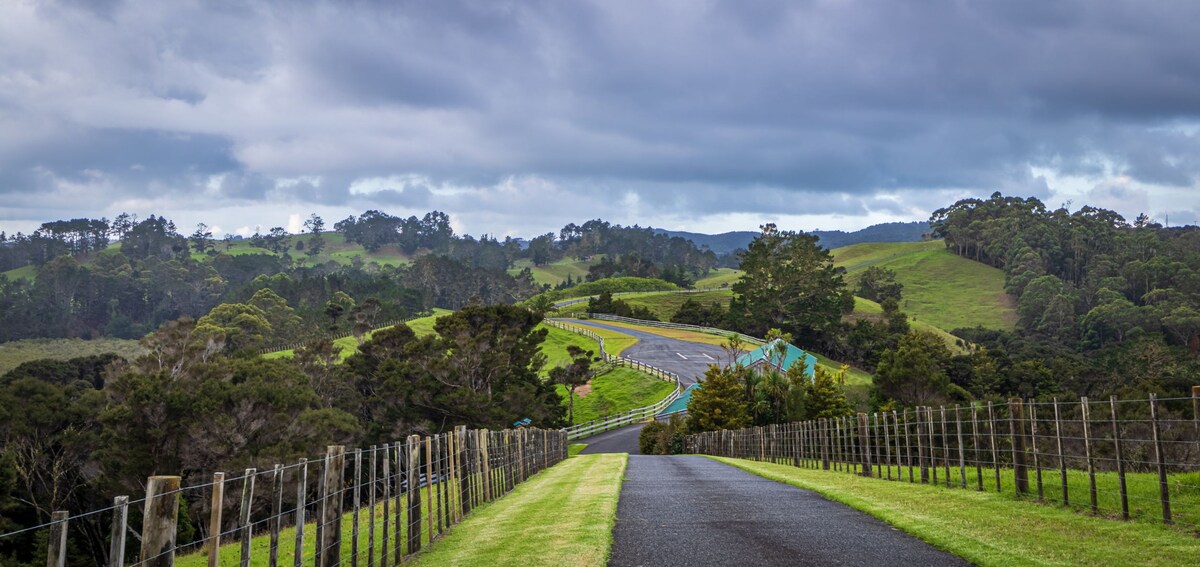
(681, 403)
(768, 353)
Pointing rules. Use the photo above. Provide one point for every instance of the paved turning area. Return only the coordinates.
(687, 359)
(623, 440)
(694, 511)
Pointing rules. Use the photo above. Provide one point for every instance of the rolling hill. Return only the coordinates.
(727, 242)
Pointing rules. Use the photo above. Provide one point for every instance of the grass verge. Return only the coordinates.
(618, 390)
(987, 528)
(575, 448)
(563, 516)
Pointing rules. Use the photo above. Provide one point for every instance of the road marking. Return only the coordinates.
(681, 356)
(706, 356)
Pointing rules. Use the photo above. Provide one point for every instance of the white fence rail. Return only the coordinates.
(681, 326)
(609, 422)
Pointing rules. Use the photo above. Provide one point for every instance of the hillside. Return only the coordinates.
(944, 290)
(555, 273)
(727, 242)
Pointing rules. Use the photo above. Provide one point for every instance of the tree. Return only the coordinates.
(201, 239)
(314, 225)
(790, 283)
(914, 373)
(826, 397)
(720, 401)
(879, 285)
(573, 375)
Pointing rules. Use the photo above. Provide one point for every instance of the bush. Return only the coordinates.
(659, 438)
(648, 439)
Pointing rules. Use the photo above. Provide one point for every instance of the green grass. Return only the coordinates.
(556, 273)
(421, 326)
(23, 273)
(867, 309)
(719, 277)
(574, 448)
(987, 528)
(563, 516)
(941, 289)
(617, 390)
(663, 305)
(13, 353)
(556, 343)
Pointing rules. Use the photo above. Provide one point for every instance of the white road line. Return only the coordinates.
(706, 356)
(681, 356)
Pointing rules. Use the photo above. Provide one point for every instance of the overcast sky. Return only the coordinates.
(516, 118)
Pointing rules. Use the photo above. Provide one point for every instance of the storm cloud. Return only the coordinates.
(519, 117)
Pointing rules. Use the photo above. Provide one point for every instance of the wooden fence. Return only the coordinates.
(1122, 458)
(370, 506)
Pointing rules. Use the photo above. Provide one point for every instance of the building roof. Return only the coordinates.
(769, 354)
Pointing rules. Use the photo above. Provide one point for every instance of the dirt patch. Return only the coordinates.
(584, 390)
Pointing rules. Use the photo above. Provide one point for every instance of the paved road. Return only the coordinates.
(687, 359)
(693, 511)
(623, 440)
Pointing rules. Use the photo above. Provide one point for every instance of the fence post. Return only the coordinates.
(401, 461)
(301, 496)
(921, 445)
(386, 477)
(214, 519)
(331, 517)
(975, 447)
(276, 513)
(887, 444)
(1163, 489)
(116, 549)
(158, 521)
(1116, 429)
(414, 494)
(357, 507)
(372, 481)
(1062, 462)
(1016, 428)
(864, 445)
(1037, 462)
(822, 432)
(485, 467)
(946, 448)
(246, 529)
(56, 552)
(1087, 448)
(962, 452)
(995, 452)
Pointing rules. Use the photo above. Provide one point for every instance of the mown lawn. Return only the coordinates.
(617, 390)
(563, 516)
(987, 528)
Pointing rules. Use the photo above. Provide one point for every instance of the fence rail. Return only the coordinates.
(1120, 458)
(369, 506)
(609, 422)
(680, 326)
(574, 300)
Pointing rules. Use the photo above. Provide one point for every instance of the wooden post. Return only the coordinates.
(1116, 429)
(414, 494)
(887, 444)
(896, 435)
(331, 517)
(357, 505)
(962, 452)
(1062, 462)
(1037, 462)
(401, 465)
(158, 521)
(975, 447)
(56, 552)
(372, 481)
(995, 452)
(1016, 429)
(322, 499)
(214, 519)
(484, 465)
(301, 496)
(386, 537)
(116, 549)
(864, 444)
(1159, 461)
(1087, 448)
(245, 527)
(908, 446)
(921, 445)
(276, 522)
(429, 518)
(946, 447)
(823, 426)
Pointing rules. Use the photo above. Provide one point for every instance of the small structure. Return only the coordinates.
(779, 355)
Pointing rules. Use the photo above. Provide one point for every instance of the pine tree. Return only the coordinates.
(720, 403)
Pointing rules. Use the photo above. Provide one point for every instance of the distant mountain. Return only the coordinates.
(887, 232)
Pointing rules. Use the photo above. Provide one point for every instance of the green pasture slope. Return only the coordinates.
(720, 277)
(13, 353)
(556, 273)
(421, 326)
(664, 305)
(940, 288)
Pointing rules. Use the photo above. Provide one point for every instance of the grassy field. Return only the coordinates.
(867, 309)
(987, 528)
(563, 516)
(555, 273)
(421, 326)
(23, 273)
(720, 277)
(663, 305)
(13, 353)
(617, 390)
(940, 288)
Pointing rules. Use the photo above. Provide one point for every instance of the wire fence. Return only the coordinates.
(366, 506)
(635, 415)
(1128, 459)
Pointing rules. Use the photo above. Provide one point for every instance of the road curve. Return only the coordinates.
(623, 440)
(687, 359)
(694, 511)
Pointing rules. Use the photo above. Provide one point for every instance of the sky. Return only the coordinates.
(516, 118)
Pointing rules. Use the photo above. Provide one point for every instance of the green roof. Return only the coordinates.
(769, 353)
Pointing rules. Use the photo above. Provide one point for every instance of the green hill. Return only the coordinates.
(944, 290)
(664, 305)
(720, 277)
(13, 353)
(556, 273)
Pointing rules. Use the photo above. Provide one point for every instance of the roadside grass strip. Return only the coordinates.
(563, 516)
(987, 528)
(618, 390)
